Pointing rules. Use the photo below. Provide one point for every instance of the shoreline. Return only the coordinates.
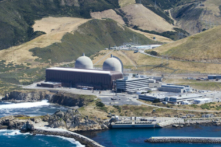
(64, 133)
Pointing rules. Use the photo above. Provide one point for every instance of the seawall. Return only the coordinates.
(213, 140)
(57, 132)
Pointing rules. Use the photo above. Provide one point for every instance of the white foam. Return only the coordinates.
(25, 105)
(71, 140)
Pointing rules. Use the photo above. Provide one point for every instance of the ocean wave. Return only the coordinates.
(11, 132)
(25, 105)
(73, 141)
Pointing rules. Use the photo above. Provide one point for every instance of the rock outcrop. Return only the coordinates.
(11, 122)
(27, 127)
(60, 98)
(73, 121)
(27, 96)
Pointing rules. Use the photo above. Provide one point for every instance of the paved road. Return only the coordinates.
(106, 96)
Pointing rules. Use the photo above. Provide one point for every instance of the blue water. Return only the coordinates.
(136, 137)
(10, 139)
(38, 108)
(109, 138)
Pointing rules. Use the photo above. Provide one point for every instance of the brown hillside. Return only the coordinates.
(140, 16)
(205, 46)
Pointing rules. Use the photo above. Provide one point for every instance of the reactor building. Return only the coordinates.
(85, 76)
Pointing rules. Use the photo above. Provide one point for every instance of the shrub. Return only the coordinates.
(100, 104)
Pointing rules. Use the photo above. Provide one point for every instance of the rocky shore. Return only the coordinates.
(212, 140)
(56, 97)
(61, 123)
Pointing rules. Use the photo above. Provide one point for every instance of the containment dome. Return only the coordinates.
(84, 62)
(112, 64)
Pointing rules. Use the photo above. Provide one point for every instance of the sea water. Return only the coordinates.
(136, 137)
(109, 138)
(29, 108)
(13, 138)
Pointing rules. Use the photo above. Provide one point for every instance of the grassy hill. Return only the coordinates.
(90, 38)
(17, 17)
(204, 46)
(197, 17)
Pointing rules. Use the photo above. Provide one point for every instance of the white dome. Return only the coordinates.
(112, 64)
(84, 62)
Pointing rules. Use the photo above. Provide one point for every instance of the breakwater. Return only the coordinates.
(82, 139)
(213, 140)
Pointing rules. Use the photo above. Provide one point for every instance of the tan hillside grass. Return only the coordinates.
(123, 3)
(205, 46)
(146, 19)
(180, 66)
(55, 29)
(209, 17)
(101, 57)
(108, 14)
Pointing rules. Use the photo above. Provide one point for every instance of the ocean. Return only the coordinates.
(109, 138)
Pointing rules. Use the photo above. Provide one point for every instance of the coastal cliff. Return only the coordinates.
(61, 98)
(70, 120)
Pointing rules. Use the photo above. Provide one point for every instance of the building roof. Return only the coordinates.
(84, 70)
(184, 96)
(112, 64)
(84, 62)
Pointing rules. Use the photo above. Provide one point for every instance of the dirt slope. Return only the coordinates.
(108, 14)
(138, 15)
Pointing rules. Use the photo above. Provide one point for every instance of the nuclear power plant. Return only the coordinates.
(85, 76)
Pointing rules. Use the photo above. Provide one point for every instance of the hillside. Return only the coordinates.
(145, 19)
(16, 25)
(66, 40)
(89, 38)
(197, 17)
(204, 46)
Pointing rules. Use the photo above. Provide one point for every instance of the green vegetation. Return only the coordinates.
(92, 37)
(187, 12)
(17, 17)
(118, 108)
(101, 106)
(154, 53)
(167, 4)
(194, 106)
(176, 35)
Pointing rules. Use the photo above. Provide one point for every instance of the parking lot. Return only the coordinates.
(119, 100)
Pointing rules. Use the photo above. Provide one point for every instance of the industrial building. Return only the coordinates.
(83, 75)
(202, 101)
(152, 97)
(183, 98)
(131, 83)
(214, 77)
(139, 82)
(175, 88)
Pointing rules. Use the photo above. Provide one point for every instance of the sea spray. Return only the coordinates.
(25, 105)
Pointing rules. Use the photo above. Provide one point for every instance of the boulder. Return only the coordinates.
(27, 127)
